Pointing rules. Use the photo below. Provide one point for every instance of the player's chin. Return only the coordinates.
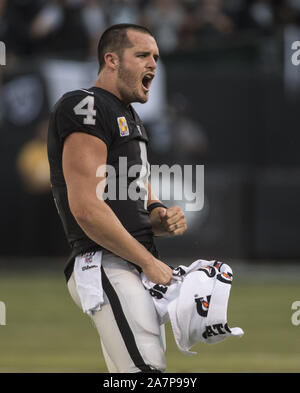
(144, 96)
(142, 99)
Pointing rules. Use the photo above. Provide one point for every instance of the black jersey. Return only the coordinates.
(97, 112)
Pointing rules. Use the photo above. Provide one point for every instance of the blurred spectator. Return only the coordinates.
(15, 17)
(94, 21)
(187, 37)
(32, 162)
(164, 18)
(262, 14)
(238, 11)
(59, 29)
(206, 18)
(212, 18)
(123, 11)
(293, 11)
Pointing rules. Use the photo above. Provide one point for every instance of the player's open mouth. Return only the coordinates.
(146, 81)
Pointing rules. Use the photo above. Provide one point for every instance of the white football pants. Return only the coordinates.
(131, 338)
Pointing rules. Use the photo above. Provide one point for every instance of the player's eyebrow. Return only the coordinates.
(145, 53)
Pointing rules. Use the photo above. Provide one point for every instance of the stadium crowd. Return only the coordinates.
(63, 27)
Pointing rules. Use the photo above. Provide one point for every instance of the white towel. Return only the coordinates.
(196, 303)
(162, 295)
(88, 280)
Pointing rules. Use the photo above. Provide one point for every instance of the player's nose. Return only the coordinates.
(151, 63)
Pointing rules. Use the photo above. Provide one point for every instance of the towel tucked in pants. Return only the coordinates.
(131, 337)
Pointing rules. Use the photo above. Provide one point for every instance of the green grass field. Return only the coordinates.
(46, 332)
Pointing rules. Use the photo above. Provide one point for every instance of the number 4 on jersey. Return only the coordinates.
(86, 108)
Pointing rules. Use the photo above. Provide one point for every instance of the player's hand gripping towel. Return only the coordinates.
(88, 279)
(196, 303)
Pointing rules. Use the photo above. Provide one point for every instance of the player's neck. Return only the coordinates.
(108, 85)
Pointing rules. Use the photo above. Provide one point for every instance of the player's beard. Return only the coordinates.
(130, 86)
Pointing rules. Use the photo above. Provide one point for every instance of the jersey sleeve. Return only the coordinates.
(79, 113)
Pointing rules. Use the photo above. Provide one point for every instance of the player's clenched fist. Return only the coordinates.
(158, 272)
(171, 220)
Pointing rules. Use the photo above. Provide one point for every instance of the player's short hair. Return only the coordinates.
(115, 39)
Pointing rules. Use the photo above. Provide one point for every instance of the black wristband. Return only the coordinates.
(154, 205)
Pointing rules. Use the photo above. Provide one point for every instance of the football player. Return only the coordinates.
(91, 129)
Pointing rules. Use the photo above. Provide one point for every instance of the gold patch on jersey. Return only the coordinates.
(123, 127)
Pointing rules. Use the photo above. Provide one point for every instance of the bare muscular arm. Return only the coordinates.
(82, 155)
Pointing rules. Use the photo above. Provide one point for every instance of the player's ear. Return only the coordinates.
(111, 60)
